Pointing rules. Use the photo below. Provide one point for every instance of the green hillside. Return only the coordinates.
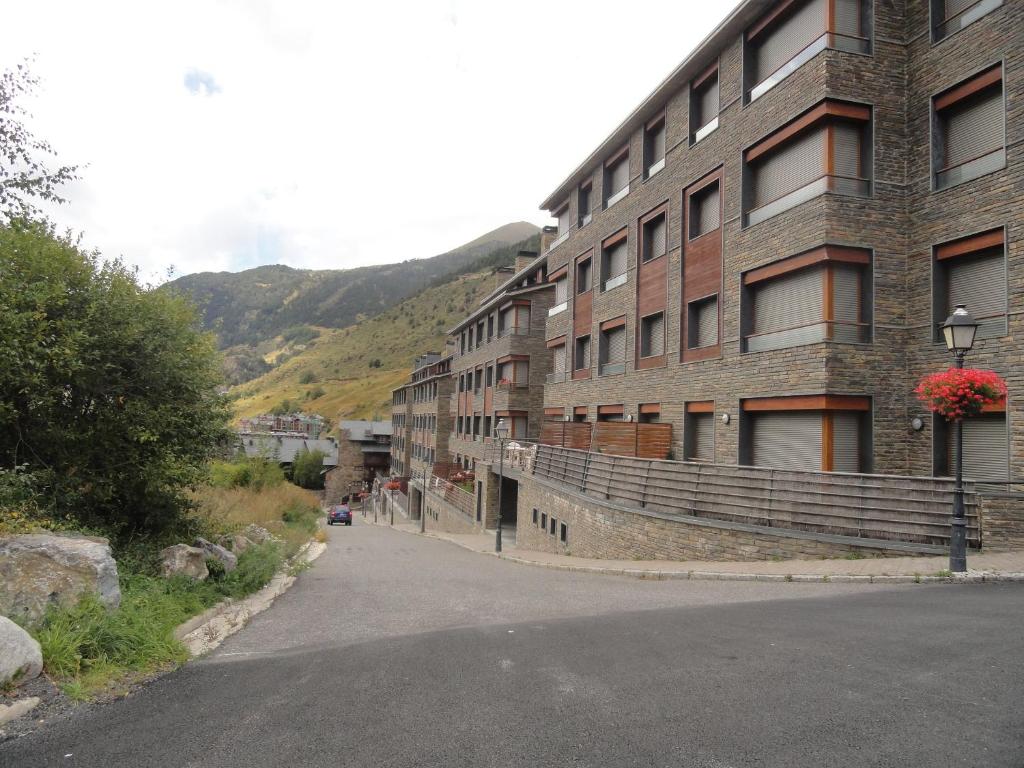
(248, 309)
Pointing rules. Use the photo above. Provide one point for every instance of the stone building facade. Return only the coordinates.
(364, 450)
(761, 253)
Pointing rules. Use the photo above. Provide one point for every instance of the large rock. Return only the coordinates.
(183, 560)
(229, 561)
(235, 542)
(257, 533)
(38, 570)
(21, 658)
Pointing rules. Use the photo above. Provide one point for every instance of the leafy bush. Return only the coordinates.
(299, 334)
(308, 377)
(307, 467)
(255, 472)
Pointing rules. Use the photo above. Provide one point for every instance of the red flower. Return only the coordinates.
(961, 393)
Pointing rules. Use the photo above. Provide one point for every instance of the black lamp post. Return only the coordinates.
(501, 431)
(958, 332)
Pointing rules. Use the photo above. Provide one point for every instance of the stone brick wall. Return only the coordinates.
(1002, 517)
(603, 530)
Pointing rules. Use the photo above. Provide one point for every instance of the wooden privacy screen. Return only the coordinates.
(625, 438)
(566, 434)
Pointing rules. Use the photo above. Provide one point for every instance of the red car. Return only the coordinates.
(340, 513)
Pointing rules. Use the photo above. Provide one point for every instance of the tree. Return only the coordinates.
(25, 176)
(306, 468)
(108, 390)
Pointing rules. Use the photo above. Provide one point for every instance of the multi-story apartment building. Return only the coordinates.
(761, 253)
(430, 389)
(401, 419)
(501, 363)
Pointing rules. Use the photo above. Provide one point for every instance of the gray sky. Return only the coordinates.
(222, 135)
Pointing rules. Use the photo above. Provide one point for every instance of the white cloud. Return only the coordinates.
(220, 135)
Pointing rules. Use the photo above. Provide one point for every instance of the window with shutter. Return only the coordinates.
(615, 265)
(654, 148)
(845, 441)
(970, 130)
(561, 290)
(703, 108)
(847, 292)
(794, 166)
(654, 238)
(583, 205)
(558, 362)
(986, 448)
(701, 442)
(563, 220)
(583, 276)
(949, 16)
(705, 215)
(787, 440)
(522, 373)
(581, 358)
(789, 43)
(613, 350)
(616, 177)
(788, 311)
(652, 335)
(979, 282)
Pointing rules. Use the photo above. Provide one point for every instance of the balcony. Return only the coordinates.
(514, 330)
(558, 309)
(832, 330)
(840, 185)
(558, 241)
(620, 195)
(833, 40)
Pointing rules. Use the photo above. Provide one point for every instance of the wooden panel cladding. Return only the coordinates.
(559, 412)
(838, 253)
(808, 403)
(616, 238)
(970, 244)
(513, 359)
(620, 438)
(566, 434)
(968, 88)
(620, 153)
(710, 71)
(610, 410)
(826, 109)
(701, 406)
(558, 341)
(582, 305)
(509, 414)
(488, 400)
(650, 408)
(766, 21)
(615, 322)
(651, 286)
(701, 267)
(558, 274)
(580, 410)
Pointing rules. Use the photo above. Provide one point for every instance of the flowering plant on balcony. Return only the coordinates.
(504, 382)
(961, 393)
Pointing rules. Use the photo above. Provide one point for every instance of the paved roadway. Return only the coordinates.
(399, 651)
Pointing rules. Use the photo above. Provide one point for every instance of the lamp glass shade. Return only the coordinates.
(959, 329)
(501, 429)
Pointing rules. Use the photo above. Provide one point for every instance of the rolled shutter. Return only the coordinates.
(709, 102)
(846, 303)
(558, 359)
(847, 17)
(561, 290)
(522, 372)
(563, 221)
(953, 7)
(846, 150)
(656, 238)
(787, 440)
(658, 144)
(974, 128)
(707, 323)
(524, 317)
(986, 448)
(616, 260)
(508, 318)
(788, 311)
(979, 283)
(791, 167)
(655, 327)
(788, 38)
(708, 210)
(616, 341)
(703, 443)
(619, 175)
(845, 441)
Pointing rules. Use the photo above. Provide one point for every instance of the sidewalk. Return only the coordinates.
(1001, 566)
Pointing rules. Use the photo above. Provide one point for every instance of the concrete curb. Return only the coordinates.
(202, 633)
(975, 577)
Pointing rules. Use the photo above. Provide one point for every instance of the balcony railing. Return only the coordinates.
(840, 185)
(617, 197)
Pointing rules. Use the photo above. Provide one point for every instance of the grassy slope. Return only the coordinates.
(340, 359)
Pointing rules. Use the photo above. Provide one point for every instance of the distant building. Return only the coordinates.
(311, 425)
(283, 447)
(364, 451)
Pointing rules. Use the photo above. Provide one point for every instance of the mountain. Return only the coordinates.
(248, 309)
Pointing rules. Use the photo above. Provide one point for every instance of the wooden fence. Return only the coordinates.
(890, 507)
(621, 438)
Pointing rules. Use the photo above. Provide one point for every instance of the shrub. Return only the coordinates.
(307, 467)
(307, 377)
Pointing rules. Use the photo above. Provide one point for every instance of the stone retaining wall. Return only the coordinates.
(1002, 522)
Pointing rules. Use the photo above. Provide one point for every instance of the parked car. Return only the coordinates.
(340, 513)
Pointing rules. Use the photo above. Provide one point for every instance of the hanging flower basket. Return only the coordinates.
(961, 393)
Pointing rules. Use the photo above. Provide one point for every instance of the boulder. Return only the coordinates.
(228, 559)
(38, 570)
(235, 542)
(183, 560)
(21, 658)
(257, 534)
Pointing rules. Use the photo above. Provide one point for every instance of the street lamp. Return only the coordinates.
(958, 332)
(501, 432)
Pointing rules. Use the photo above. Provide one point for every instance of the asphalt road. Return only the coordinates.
(400, 651)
